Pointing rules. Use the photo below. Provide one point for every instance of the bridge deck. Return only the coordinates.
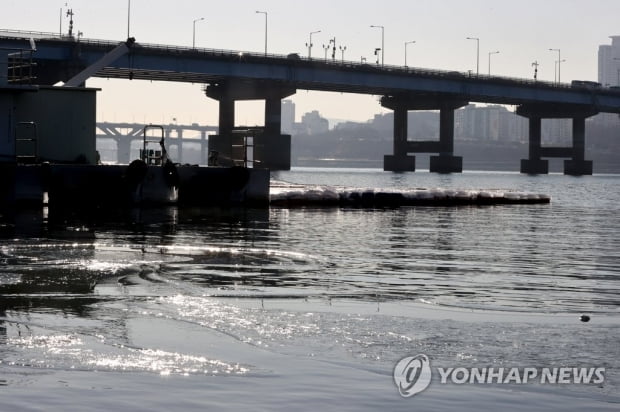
(208, 66)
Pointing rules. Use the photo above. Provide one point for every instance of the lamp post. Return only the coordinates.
(194, 32)
(555, 69)
(342, 49)
(128, 16)
(309, 44)
(326, 48)
(559, 64)
(491, 53)
(382, 43)
(406, 43)
(265, 13)
(477, 53)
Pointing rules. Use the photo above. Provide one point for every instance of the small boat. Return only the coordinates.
(153, 178)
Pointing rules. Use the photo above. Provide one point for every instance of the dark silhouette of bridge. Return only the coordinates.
(230, 76)
(125, 134)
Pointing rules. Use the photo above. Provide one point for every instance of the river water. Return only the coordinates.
(280, 309)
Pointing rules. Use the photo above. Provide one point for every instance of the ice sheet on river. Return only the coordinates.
(296, 195)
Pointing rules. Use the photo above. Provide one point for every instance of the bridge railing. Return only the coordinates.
(294, 58)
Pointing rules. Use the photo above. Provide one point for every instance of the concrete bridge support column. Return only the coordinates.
(222, 143)
(534, 165)
(203, 148)
(179, 158)
(578, 166)
(399, 161)
(272, 149)
(446, 162)
(123, 149)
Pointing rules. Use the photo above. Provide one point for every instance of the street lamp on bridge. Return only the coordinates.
(477, 53)
(490, 54)
(382, 43)
(326, 48)
(406, 43)
(559, 64)
(194, 32)
(309, 44)
(555, 70)
(342, 49)
(377, 51)
(265, 13)
(128, 16)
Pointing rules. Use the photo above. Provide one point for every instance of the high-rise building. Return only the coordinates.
(288, 116)
(609, 63)
(609, 74)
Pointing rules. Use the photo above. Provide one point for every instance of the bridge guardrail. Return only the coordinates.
(258, 56)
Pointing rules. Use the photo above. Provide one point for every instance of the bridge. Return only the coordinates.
(230, 76)
(124, 134)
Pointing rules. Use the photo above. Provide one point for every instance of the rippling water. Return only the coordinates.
(285, 308)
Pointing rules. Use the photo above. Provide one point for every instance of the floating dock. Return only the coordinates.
(112, 186)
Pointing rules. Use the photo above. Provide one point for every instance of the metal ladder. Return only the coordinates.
(243, 144)
(21, 67)
(26, 146)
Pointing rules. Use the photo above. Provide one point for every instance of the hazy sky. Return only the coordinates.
(522, 31)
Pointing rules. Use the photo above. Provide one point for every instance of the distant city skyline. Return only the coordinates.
(522, 32)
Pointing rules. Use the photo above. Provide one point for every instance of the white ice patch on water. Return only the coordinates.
(73, 352)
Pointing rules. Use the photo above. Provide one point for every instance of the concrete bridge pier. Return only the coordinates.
(445, 161)
(399, 161)
(222, 143)
(179, 145)
(534, 165)
(123, 149)
(271, 148)
(576, 164)
(203, 148)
